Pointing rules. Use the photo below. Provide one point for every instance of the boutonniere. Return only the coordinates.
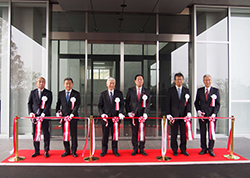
(144, 99)
(187, 96)
(72, 100)
(117, 104)
(44, 99)
(214, 97)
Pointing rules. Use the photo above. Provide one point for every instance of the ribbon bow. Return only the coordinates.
(141, 133)
(189, 132)
(115, 128)
(212, 128)
(39, 121)
(66, 133)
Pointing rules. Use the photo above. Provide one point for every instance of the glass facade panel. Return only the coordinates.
(176, 24)
(72, 47)
(28, 56)
(212, 24)
(240, 86)
(4, 33)
(213, 59)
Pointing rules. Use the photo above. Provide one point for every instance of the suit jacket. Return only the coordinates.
(66, 107)
(132, 103)
(34, 103)
(106, 107)
(204, 105)
(175, 106)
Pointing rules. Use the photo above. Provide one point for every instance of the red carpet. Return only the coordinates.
(124, 158)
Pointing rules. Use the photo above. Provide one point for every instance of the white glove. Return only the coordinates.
(42, 115)
(121, 116)
(145, 116)
(169, 117)
(71, 115)
(131, 114)
(199, 113)
(213, 115)
(59, 113)
(32, 114)
(189, 114)
(104, 116)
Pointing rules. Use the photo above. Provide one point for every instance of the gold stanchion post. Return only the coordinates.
(90, 158)
(16, 158)
(162, 157)
(231, 156)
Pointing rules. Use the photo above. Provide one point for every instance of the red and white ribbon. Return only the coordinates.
(39, 121)
(105, 120)
(141, 133)
(212, 128)
(164, 135)
(44, 99)
(66, 131)
(214, 97)
(144, 101)
(93, 138)
(115, 128)
(117, 104)
(187, 96)
(189, 132)
(87, 138)
(72, 100)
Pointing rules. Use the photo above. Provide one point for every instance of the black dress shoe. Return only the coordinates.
(202, 152)
(134, 152)
(211, 153)
(175, 153)
(143, 152)
(74, 154)
(35, 154)
(185, 153)
(116, 154)
(103, 154)
(65, 154)
(46, 154)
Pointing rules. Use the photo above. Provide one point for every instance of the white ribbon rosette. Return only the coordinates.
(214, 97)
(117, 104)
(72, 100)
(187, 96)
(44, 99)
(144, 99)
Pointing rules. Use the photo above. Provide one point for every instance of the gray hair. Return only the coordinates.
(207, 75)
(109, 79)
(41, 78)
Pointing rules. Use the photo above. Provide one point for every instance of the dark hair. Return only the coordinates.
(138, 75)
(178, 75)
(68, 78)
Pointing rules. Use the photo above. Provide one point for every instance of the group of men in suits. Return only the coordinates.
(137, 105)
(111, 107)
(39, 104)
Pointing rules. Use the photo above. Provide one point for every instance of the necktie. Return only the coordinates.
(206, 94)
(179, 93)
(67, 96)
(138, 94)
(111, 97)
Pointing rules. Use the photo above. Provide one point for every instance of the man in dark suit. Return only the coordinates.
(134, 107)
(111, 104)
(39, 104)
(204, 107)
(68, 102)
(178, 105)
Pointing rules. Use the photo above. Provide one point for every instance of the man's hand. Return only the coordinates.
(201, 114)
(171, 119)
(131, 114)
(104, 116)
(145, 116)
(121, 116)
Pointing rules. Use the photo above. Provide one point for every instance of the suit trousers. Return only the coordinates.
(204, 126)
(46, 134)
(135, 142)
(105, 136)
(174, 133)
(73, 136)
